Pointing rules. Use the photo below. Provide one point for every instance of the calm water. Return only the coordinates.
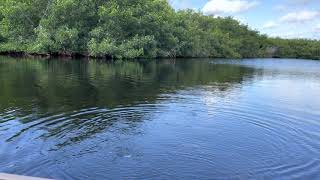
(168, 119)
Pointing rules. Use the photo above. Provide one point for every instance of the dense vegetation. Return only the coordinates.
(131, 29)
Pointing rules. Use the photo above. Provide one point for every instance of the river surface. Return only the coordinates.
(164, 119)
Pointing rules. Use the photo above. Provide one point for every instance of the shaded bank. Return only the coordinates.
(133, 29)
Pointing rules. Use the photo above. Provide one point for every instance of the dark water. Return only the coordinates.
(168, 119)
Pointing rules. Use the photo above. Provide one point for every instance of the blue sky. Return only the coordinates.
(284, 18)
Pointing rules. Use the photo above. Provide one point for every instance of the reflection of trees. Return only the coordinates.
(76, 84)
(46, 88)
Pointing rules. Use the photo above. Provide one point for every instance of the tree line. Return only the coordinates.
(134, 29)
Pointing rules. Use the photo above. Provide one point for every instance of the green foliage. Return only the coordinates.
(296, 48)
(63, 39)
(20, 18)
(65, 25)
(126, 22)
(135, 47)
(134, 28)
(1, 18)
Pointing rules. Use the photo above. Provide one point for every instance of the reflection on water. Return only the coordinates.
(165, 119)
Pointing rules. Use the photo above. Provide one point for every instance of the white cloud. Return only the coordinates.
(299, 17)
(215, 7)
(290, 34)
(307, 34)
(270, 25)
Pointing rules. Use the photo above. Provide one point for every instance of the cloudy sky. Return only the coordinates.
(284, 18)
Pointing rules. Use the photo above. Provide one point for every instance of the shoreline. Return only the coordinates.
(21, 54)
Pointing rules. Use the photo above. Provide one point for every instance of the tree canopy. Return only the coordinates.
(133, 29)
